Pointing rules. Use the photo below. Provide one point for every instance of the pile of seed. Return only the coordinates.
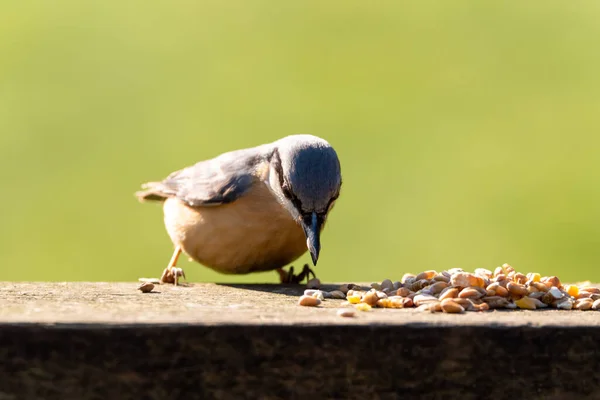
(457, 291)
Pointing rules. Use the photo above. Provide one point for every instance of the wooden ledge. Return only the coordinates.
(99, 340)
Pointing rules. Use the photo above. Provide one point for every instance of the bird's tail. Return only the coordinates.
(153, 191)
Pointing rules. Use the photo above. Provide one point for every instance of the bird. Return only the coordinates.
(250, 210)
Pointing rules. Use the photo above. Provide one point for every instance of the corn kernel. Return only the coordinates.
(572, 290)
(353, 299)
(526, 303)
(534, 276)
(363, 307)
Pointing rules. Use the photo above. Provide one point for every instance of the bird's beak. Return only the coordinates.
(312, 229)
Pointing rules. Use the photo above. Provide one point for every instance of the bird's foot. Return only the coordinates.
(289, 276)
(172, 275)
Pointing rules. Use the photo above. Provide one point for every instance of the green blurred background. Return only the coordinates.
(468, 131)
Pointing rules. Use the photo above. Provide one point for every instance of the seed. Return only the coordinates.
(507, 268)
(346, 313)
(552, 281)
(583, 304)
(547, 298)
(387, 284)
(516, 289)
(520, 278)
(381, 295)
(370, 298)
(536, 295)
(497, 289)
(471, 293)
(376, 286)
(484, 273)
(403, 292)
(383, 303)
(540, 287)
(564, 304)
(498, 271)
(591, 289)
(353, 299)
(538, 303)
(435, 306)
(451, 307)
(572, 290)
(319, 295)
(555, 292)
(310, 292)
(424, 298)
(146, 287)
(418, 285)
(363, 307)
(596, 305)
(511, 306)
(408, 278)
(496, 301)
(309, 301)
(449, 293)
(453, 271)
(390, 302)
(533, 276)
(407, 302)
(437, 287)
(337, 294)
(314, 283)
(526, 303)
(441, 278)
(584, 295)
(426, 275)
(464, 279)
(464, 303)
(397, 285)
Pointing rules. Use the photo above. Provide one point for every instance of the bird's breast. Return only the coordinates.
(254, 233)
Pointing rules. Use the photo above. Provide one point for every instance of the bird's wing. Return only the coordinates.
(220, 180)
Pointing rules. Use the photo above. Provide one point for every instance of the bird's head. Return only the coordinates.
(305, 176)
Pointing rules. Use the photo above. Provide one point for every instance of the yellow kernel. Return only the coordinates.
(534, 276)
(526, 303)
(363, 307)
(353, 299)
(573, 290)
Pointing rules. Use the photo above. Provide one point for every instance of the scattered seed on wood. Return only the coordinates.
(454, 290)
(346, 313)
(146, 287)
(309, 301)
(451, 307)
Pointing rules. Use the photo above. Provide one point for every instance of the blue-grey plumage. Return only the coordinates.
(254, 209)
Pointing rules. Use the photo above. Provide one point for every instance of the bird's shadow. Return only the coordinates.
(287, 289)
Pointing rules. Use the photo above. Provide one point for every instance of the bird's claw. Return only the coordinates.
(172, 275)
(289, 276)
